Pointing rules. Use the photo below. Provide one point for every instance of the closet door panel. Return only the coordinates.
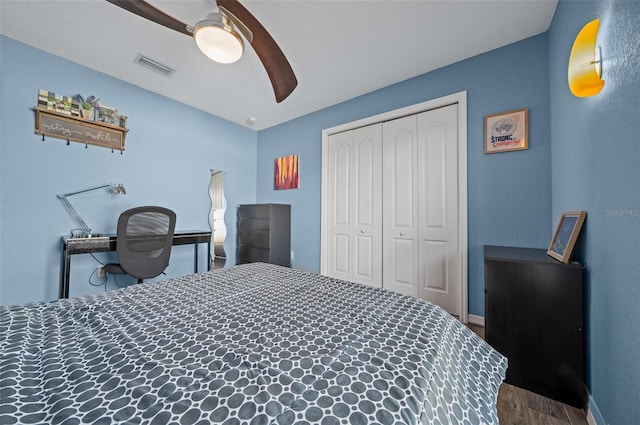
(354, 202)
(400, 248)
(339, 205)
(435, 263)
(433, 179)
(402, 183)
(403, 277)
(340, 254)
(364, 151)
(364, 268)
(367, 203)
(439, 266)
(341, 187)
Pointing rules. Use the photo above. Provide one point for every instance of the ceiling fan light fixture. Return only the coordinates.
(217, 39)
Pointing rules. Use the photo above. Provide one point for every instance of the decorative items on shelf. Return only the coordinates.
(87, 108)
(80, 119)
(58, 103)
(108, 114)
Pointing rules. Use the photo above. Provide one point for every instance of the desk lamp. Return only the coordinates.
(85, 231)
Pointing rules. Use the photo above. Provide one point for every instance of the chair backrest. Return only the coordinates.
(143, 241)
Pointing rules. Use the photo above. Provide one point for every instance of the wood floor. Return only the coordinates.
(521, 407)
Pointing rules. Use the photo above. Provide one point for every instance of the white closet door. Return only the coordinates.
(420, 192)
(439, 266)
(400, 209)
(367, 205)
(354, 205)
(339, 205)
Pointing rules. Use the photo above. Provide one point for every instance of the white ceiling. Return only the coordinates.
(338, 49)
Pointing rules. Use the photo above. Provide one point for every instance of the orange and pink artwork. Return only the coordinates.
(285, 171)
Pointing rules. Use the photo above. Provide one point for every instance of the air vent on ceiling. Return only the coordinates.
(154, 65)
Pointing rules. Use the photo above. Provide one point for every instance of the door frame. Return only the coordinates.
(460, 99)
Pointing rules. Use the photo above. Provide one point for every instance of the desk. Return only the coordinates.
(72, 246)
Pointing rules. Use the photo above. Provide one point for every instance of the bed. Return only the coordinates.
(252, 344)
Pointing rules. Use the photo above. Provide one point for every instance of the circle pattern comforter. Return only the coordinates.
(253, 344)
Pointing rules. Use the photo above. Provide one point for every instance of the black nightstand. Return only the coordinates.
(534, 316)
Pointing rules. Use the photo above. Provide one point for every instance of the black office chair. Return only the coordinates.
(143, 242)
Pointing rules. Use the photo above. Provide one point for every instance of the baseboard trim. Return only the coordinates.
(593, 414)
(475, 320)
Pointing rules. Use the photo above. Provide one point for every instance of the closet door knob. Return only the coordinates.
(401, 233)
(361, 231)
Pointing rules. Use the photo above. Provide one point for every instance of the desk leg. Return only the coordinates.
(64, 272)
(195, 258)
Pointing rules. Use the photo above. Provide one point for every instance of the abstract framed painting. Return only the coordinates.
(285, 172)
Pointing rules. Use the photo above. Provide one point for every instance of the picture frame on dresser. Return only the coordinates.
(566, 234)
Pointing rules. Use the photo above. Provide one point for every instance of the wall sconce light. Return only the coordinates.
(85, 231)
(585, 63)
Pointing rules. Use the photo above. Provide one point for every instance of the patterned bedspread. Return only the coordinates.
(254, 344)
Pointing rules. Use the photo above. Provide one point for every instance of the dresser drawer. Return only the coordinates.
(247, 254)
(254, 238)
(253, 224)
(255, 211)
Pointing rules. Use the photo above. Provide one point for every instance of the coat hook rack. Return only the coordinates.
(75, 129)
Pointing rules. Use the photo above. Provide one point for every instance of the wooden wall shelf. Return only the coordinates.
(69, 128)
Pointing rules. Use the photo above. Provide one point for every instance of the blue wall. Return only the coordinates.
(587, 149)
(509, 194)
(170, 150)
(596, 168)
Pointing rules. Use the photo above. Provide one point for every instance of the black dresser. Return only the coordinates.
(534, 316)
(264, 234)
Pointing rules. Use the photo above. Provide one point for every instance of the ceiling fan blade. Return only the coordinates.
(145, 10)
(275, 63)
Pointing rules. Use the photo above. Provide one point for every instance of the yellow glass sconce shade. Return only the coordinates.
(584, 67)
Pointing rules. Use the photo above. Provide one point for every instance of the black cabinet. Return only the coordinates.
(264, 234)
(534, 316)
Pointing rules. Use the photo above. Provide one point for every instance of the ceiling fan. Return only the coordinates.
(220, 27)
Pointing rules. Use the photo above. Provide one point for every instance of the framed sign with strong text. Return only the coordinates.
(506, 131)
